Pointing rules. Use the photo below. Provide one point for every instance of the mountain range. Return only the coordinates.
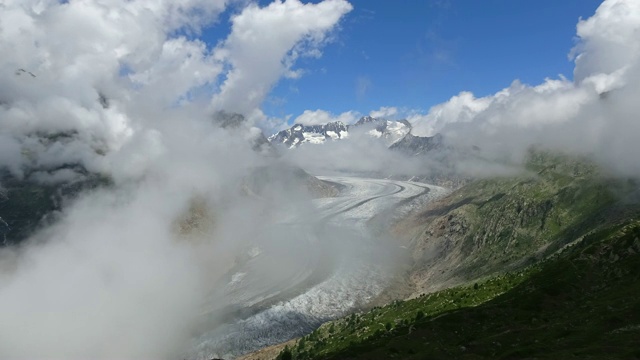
(388, 131)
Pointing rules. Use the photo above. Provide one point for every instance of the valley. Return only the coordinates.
(539, 265)
(316, 180)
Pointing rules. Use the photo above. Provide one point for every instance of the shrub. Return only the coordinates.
(285, 354)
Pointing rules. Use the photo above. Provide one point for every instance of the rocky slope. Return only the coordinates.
(499, 224)
(581, 303)
(27, 205)
(418, 145)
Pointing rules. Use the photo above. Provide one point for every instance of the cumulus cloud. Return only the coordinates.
(126, 89)
(132, 55)
(460, 108)
(107, 267)
(608, 40)
(591, 114)
(384, 112)
(265, 42)
(319, 117)
(99, 69)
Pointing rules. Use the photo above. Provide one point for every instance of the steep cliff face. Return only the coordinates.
(26, 206)
(501, 224)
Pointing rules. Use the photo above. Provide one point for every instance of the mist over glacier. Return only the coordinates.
(129, 91)
(126, 89)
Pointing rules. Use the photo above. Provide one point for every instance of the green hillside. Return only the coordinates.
(502, 224)
(547, 266)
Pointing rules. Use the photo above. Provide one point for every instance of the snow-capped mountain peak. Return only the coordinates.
(314, 134)
(387, 130)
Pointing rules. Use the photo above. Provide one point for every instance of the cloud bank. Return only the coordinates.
(128, 90)
(107, 70)
(594, 114)
(265, 42)
(320, 117)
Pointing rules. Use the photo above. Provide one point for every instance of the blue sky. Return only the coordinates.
(416, 53)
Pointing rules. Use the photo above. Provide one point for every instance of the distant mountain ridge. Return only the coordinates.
(314, 134)
(397, 136)
(389, 131)
(417, 145)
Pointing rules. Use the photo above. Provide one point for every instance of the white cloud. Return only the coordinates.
(128, 52)
(319, 117)
(265, 42)
(608, 39)
(360, 153)
(460, 108)
(363, 86)
(81, 50)
(384, 112)
(272, 125)
(118, 260)
(594, 114)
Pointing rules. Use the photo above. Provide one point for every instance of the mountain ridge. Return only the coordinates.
(389, 131)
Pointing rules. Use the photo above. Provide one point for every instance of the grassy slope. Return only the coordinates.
(581, 302)
(506, 223)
